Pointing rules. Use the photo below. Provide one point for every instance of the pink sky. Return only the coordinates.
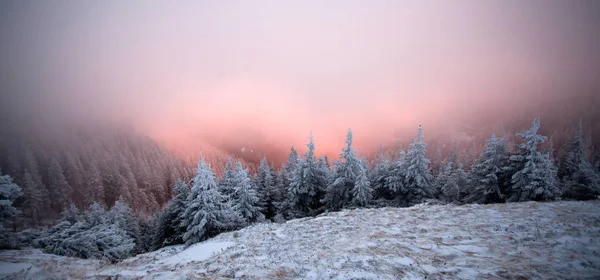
(190, 71)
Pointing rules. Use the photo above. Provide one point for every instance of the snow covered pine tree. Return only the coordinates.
(208, 212)
(535, 178)
(9, 192)
(417, 181)
(492, 162)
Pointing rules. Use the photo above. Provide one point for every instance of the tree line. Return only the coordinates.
(309, 185)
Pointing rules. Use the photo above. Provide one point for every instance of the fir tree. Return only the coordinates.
(291, 167)
(444, 182)
(395, 179)
(264, 185)
(486, 173)
(226, 185)
(123, 217)
(245, 198)
(71, 214)
(417, 181)
(60, 191)
(341, 192)
(362, 193)
(9, 192)
(380, 176)
(94, 188)
(580, 179)
(206, 213)
(169, 230)
(33, 198)
(534, 178)
(96, 214)
(307, 186)
(282, 201)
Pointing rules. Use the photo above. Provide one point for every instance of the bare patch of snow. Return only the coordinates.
(197, 252)
(557, 240)
(7, 268)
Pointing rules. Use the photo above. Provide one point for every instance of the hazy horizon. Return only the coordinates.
(267, 73)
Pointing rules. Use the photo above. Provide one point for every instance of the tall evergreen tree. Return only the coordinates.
(445, 184)
(170, 231)
(206, 213)
(282, 200)
(33, 198)
(307, 186)
(380, 176)
(362, 192)
(72, 173)
(534, 178)
(291, 166)
(341, 192)
(245, 198)
(486, 173)
(60, 191)
(226, 185)
(580, 179)
(94, 185)
(396, 187)
(33, 168)
(264, 185)
(418, 179)
(9, 192)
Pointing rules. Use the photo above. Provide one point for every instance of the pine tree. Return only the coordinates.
(226, 185)
(291, 167)
(245, 198)
(264, 185)
(71, 214)
(282, 200)
(148, 231)
(169, 230)
(417, 181)
(534, 178)
(33, 203)
(33, 168)
(282, 185)
(362, 193)
(395, 179)
(72, 173)
(123, 217)
(60, 191)
(486, 173)
(380, 176)
(344, 187)
(9, 192)
(444, 183)
(94, 188)
(206, 213)
(580, 179)
(96, 214)
(307, 186)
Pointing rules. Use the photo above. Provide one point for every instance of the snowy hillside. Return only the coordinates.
(558, 240)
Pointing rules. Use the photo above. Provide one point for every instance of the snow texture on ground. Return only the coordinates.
(558, 240)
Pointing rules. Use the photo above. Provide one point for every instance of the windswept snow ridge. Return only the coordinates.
(557, 240)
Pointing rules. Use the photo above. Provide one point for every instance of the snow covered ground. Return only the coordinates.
(559, 240)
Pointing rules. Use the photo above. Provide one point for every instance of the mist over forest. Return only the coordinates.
(129, 127)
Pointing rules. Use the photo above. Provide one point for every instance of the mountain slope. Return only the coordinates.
(557, 240)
